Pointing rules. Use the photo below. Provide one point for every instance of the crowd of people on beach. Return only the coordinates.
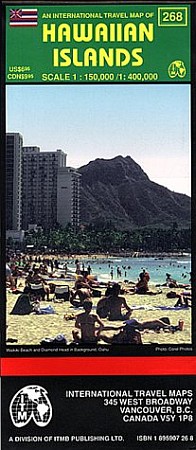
(38, 276)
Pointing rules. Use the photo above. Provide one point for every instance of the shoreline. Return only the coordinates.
(159, 255)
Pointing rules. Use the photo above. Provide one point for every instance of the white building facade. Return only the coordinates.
(68, 196)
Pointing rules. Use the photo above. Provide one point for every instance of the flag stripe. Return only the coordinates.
(31, 11)
(23, 24)
(30, 16)
(26, 19)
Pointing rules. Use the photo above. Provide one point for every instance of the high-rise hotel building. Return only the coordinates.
(50, 191)
(39, 186)
(68, 192)
(14, 143)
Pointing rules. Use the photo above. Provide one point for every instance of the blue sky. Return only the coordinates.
(151, 123)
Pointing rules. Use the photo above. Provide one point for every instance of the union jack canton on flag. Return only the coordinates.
(23, 17)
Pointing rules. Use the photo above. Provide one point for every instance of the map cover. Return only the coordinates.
(97, 224)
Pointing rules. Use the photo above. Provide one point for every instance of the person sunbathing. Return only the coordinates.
(34, 278)
(30, 278)
(82, 290)
(152, 324)
(86, 323)
(142, 286)
(112, 306)
(9, 278)
(127, 335)
(82, 294)
(81, 282)
(183, 301)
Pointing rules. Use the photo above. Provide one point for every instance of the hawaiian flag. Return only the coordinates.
(23, 17)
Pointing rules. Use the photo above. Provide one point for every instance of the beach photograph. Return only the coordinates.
(98, 215)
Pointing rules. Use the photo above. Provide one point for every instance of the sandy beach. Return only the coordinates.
(31, 329)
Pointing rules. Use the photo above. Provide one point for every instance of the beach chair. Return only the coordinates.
(62, 293)
(37, 292)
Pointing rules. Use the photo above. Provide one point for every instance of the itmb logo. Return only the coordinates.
(31, 402)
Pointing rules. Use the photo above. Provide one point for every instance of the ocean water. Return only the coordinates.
(178, 268)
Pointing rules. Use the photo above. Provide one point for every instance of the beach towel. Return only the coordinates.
(171, 308)
(59, 339)
(46, 310)
(155, 308)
